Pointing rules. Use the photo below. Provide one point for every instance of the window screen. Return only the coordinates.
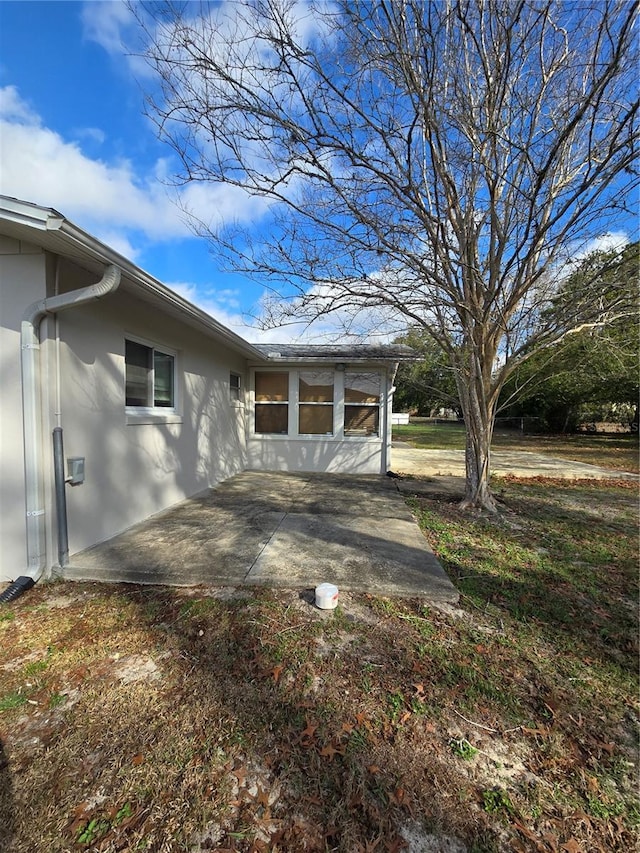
(315, 398)
(362, 404)
(272, 406)
(235, 387)
(149, 376)
(272, 387)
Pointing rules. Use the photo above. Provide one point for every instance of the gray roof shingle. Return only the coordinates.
(336, 352)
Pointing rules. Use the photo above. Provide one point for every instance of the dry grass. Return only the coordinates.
(616, 451)
(162, 720)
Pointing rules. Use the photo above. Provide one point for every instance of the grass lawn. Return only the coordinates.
(151, 719)
(619, 452)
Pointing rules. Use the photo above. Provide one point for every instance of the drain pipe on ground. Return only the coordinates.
(31, 413)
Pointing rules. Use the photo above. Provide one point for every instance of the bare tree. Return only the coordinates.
(442, 160)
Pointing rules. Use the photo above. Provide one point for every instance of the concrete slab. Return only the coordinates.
(279, 529)
(387, 558)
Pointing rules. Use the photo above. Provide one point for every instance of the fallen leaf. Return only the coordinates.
(369, 846)
(592, 783)
(571, 846)
(276, 672)
(533, 732)
(373, 769)
(526, 832)
(396, 844)
(137, 759)
(551, 840)
(241, 774)
(309, 731)
(397, 796)
(81, 809)
(330, 750)
(262, 797)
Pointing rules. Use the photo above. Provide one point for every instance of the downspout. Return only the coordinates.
(32, 414)
(388, 427)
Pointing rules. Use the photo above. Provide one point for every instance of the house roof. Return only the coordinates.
(49, 229)
(53, 232)
(336, 352)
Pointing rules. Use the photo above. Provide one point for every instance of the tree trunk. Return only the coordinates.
(478, 466)
(479, 416)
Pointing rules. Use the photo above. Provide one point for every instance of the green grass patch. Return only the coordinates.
(11, 701)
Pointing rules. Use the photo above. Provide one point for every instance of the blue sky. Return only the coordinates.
(74, 137)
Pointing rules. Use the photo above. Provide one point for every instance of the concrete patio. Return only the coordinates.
(279, 529)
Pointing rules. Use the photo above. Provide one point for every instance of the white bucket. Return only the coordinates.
(326, 596)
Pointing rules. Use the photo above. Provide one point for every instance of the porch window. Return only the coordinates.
(315, 403)
(362, 404)
(149, 376)
(272, 403)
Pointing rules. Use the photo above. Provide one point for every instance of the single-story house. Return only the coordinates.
(119, 398)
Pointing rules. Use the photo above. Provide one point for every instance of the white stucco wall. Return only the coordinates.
(338, 453)
(22, 282)
(133, 468)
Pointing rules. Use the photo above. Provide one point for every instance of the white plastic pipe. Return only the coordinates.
(31, 406)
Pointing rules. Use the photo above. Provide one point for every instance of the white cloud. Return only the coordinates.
(611, 241)
(14, 108)
(39, 165)
(257, 326)
(576, 251)
(106, 22)
(94, 134)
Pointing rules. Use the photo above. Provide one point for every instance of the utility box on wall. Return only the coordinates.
(75, 470)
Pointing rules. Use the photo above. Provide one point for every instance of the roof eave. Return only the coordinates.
(38, 218)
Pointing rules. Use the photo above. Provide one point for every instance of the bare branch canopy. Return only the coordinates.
(441, 161)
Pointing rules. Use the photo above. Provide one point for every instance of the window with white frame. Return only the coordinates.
(235, 387)
(362, 403)
(272, 403)
(149, 376)
(315, 403)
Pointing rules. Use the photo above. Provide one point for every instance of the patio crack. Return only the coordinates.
(265, 546)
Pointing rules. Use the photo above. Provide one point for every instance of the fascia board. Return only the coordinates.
(80, 243)
(150, 286)
(322, 362)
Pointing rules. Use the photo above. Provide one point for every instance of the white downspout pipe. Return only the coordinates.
(388, 420)
(31, 406)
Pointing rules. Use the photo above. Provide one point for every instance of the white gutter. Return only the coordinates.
(75, 244)
(31, 406)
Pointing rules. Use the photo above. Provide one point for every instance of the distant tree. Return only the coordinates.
(428, 383)
(594, 368)
(438, 159)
